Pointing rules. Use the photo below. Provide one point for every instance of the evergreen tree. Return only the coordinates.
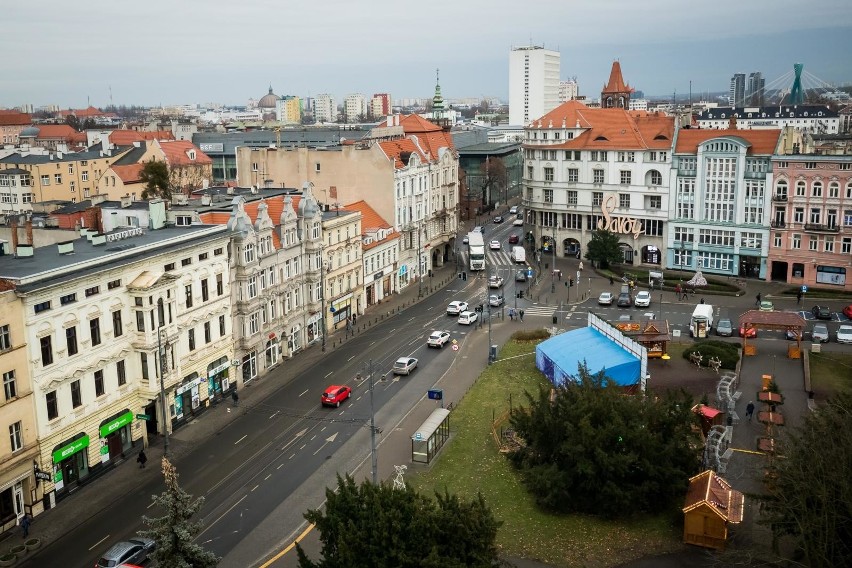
(155, 176)
(603, 249)
(382, 527)
(174, 533)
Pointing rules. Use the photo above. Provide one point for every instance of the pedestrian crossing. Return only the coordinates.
(493, 258)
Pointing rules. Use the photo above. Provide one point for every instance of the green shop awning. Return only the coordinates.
(71, 448)
(111, 425)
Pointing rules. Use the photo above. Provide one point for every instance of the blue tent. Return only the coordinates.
(559, 356)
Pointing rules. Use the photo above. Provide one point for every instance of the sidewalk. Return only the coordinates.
(125, 476)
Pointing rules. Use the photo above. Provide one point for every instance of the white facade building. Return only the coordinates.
(533, 83)
(354, 106)
(16, 190)
(568, 90)
(815, 119)
(324, 108)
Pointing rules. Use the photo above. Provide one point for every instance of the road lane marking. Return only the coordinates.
(329, 374)
(312, 437)
(280, 466)
(304, 393)
(268, 475)
(323, 428)
(303, 446)
(350, 358)
(291, 457)
(228, 510)
(253, 488)
(290, 547)
(328, 440)
(103, 539)
(241, 439)
(274, 414)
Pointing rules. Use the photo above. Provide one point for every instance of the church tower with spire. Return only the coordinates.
(616, 93)
(439, 108)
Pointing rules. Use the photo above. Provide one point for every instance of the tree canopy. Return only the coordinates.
(383, 527)
(811, 495)
(174, 533)
(593, 450)
(155, 176)
(603, 248)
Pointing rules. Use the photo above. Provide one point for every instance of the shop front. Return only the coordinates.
(70, 463)
(116, 435)
(249, 366)
(294, 342)
(187, 402)
(341, 309)
(314, 331)
(403, 276)
(217, 377)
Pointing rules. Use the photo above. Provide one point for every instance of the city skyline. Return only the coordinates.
(166, 54)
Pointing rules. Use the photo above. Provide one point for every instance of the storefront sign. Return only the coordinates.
(71, 449)
(115, 424)
(120, 235)
(378, 275)
(341, 303)
(616, 224)
(211, 147)
(187, 386)
(216, 370)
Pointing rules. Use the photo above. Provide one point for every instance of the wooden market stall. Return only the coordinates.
(779, 321)
(653, 334)
(710, 506)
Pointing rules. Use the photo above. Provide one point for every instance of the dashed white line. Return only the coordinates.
(312, 438)
(303, 446)
(100, 541)
(268, 475)
(294, 455)
(304, 393)
(274, 414)
(329, 374)
(241, 439)
(280, 466)
(351, 358)
(253, 488)
(323, 428)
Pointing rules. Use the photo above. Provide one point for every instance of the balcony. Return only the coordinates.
(778, 224)
(817, 228)
(780, 197)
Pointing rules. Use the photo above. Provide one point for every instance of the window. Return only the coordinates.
(829, 243)
(655, 202)
(143, 359)
(627, 156)
(169, 267)
(41, 307)
(813, 243)
(99, 382)
(183, 220)
(776, 240)
(188, 293)
(46, 345)
(656, 178)
(597, 176)
(548, 196)
(5, 338)
(597, 198)
(95, 331)
(799, 215)
(625, 177)
(252, 287)
(10, 388)
(191, 338)
(71, 340)
(221, 326)
(846, 245)
(530, 172)
(573, 174)
(816, 215)
(140, 320)
(121, 372)
(93, 290)
(67, 299)
(186, 262)
(208, 335)
(85, 174)
(248, 252)
(220, 286)
(113, 284)
(684, 234)
(218, 251)
(255, 167)
(16, 436)
(800, 188)
(254, 323)
(572, 198)
(76, 394)
(797, 241)
(52, 407)
(816, 189)
(624, 200)
(548, 174)
(116, 324)
(45, 180)
(205, 291)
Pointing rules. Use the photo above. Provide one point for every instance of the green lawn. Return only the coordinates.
(471, 462)
(830, 373)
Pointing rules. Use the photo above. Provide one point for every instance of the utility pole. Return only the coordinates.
(162, 357)
(373, 453)
(322, 295)
(419, 266)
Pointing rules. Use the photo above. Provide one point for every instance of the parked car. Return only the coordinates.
(605, 299)
(495, 300)
(514, 239)
(519, 222)
(456, 307)
(766, 306)
(134, 550)
(791, 334)
(495, 282)
(335, 394)
(624, 300)
(468, 318)
(821, 312)
(438, 339)
(724, 328)
(844, 334)
(466, 240)
(752, 332)
(404, 365)
(521, 276)
(642, 300)
(498, 219)
(513, 209)
(847, 311)
(495, 245)
(820, 333)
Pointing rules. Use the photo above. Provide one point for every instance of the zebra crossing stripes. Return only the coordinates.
(492, 258)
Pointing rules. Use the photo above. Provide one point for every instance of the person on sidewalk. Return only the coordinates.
(757, 300)
(235, 397)
(512, 314)
(521, 314)
(142, 458)
(611, 280)
(678, 292)
(750, 410)
(799, 298)
(25, 525)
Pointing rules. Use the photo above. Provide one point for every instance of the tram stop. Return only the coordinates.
(431, 436)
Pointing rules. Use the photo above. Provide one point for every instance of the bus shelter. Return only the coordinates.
(791, 323)
(431, 436)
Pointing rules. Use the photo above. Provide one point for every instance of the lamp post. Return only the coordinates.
(682, 258)
(162, 356)
(322, 296)
(419, 266)
(373, 453)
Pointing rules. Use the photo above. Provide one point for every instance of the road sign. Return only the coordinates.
(529, 273)
(578, 276)
(142, 417)
(804, 288)
(435, 394)
(418, 436)
(455, 346)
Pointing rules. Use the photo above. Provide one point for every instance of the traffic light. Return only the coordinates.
(570, 282)
(521, 294)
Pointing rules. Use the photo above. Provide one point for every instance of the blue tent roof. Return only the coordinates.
(559, 356)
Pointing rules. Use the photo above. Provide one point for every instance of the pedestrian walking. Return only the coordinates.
(749, 410)
(581, 265)
(521, 313)
(142, 458)
(560, 275)
(354, 319)
(235, 397)
(512, 314)
(799, 298)
(678, 292)
(25, 525)
(611, 281)
(757, 300)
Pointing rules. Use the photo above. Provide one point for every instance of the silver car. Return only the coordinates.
(404, 365)
(820, 333)
(132, 551)
(725, 328)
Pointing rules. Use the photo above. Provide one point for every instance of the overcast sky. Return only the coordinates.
(192, 51)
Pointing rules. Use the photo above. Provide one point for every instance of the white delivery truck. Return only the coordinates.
(701, 321)
(519, 255)
(476, 250)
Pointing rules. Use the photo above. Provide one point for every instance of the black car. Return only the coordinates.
(498, 219)
(821, 312)
(624, 301)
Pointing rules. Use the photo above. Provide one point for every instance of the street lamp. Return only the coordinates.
(162, 357)
(322, 296)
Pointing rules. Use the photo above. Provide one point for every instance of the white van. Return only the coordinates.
(519, 255)
(701, 321)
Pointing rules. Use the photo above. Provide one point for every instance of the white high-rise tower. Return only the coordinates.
(533, 83)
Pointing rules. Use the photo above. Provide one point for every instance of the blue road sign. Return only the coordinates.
(804, 288)
(435, 394)
(529, 272)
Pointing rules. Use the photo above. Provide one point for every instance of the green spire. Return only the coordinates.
(437, 100)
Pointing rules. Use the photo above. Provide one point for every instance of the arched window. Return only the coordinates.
(800, 188)
(816, 189)
(834, 189)
(781, 189)
(655, 177)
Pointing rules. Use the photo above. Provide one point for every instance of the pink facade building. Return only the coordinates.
(811, 223)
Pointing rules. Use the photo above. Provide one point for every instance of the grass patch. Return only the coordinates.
(830, 373)
(471, 462)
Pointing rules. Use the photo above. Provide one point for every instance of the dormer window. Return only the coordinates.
(191, 155)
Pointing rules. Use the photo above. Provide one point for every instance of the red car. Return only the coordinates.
(515, 239)
(847, 311)
(335, 394)
(752, 332)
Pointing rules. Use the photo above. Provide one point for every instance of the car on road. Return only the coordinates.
(456, 307)
(495, 245)
(495, 300)
(335, 394)
(468, 318)
(466, 240)
(791, 334)
(521, 276)
(605, 299)
(513, 209)
(498, 219)
(518, 223)
(514, 239)
(725, 328)
(643, 299)
(821, 312)
(844, 334)
(438, 339)
(820, 333)
(404, 365)
(495, 282)
(752, 332)
(133, 550)
(847, 311)
(766, 306)
(624, 300)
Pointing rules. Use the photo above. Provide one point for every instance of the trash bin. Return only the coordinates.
(555, 319)
(492, 354)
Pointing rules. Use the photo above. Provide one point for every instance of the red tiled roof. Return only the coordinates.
(127, 137)
(275, 205)
(416, 124)
(85, 112)
(370, 221)
(608, 128)
(175, 152)
(395, 148)
(129, 173)
(616, 82)
(761, 141)
(15, 118)
(215, 217)
(62, 131)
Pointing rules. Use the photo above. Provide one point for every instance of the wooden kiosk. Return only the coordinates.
(652, 334)
(779, 321)
(710, 505)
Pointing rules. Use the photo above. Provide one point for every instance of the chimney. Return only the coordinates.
(98, 198)
(29, 231)
(205, 199)
(126, 201)
(14, 234)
